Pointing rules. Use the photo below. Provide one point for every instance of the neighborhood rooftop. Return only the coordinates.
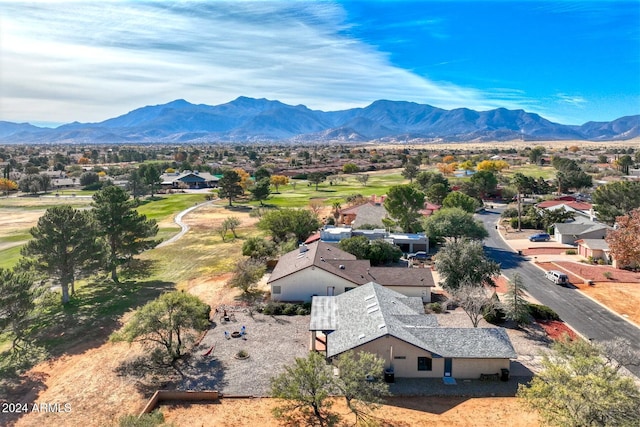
(371, 311)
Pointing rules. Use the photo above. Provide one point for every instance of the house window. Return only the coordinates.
(400, 357)
(276, 289)
(424, 363)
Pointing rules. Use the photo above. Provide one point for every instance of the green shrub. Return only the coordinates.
(542, 312)
(272, 308)
(435, 307)
(152, 419)
(510, 213)
(607, 275)
(289, 309)
(93, 186)
(526, 222)
(300, 176)
(571, 252)
(494, 316)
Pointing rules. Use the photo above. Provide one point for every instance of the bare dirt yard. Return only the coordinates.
(398, 412)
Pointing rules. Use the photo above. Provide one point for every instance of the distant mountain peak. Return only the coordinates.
(248, 119)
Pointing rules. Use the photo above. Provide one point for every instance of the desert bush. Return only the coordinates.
(510, 213)
(542, 312)
(571, 252)
(289, 309)
(435, 307)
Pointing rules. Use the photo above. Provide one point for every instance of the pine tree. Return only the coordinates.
(516, 307)
(64, 246)
(126, 232)
(230, 187)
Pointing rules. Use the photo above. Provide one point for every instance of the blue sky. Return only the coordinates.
(569, 61)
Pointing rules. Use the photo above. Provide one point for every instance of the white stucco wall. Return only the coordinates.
(303, 284)
(423, 292)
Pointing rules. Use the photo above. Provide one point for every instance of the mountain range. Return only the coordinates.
(261, 120)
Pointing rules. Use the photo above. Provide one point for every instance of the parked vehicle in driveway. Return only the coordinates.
(540, 237)
(557, 277)
(420, 255)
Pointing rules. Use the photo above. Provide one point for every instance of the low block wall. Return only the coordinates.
(178, 395)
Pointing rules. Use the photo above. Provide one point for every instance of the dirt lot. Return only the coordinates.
(621, 293)
(399, 412)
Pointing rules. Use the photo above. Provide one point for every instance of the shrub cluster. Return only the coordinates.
(287, 309)
(542, 312)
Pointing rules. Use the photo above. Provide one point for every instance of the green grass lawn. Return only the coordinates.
(378, 184)
(546, 172)
(10, 257)
(164, 206)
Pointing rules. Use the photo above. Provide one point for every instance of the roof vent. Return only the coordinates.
(341, 267)
(361, 336)
(369, 297)
(373, 310)
(381, 326)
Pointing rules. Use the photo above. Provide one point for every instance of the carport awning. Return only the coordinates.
(323, 314)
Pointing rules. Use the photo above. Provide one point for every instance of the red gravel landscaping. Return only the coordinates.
(595, 272)
(556, 329)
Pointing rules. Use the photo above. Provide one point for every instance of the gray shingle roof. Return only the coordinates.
(315, 253)
(595, 244)
(343, 264)
(577, 229)
(371, 311)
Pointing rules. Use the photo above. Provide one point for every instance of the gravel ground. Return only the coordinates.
(273, 342)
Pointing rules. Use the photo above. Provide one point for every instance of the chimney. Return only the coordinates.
(303, 248)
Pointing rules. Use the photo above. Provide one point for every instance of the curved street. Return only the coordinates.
(589, 318)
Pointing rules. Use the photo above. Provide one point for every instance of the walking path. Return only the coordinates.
(184, 227)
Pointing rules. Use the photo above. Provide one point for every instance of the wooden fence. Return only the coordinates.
(179, 396)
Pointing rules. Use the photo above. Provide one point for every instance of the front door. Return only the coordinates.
(331, 291)
(447, 366)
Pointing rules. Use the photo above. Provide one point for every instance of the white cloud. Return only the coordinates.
(61, 62)
(574, 100)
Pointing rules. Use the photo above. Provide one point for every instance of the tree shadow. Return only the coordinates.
(137, 268)
(86, 322)
(28, 386)
(507, 259)
(149, 372)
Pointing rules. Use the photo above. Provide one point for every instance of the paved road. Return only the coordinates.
(587, 317)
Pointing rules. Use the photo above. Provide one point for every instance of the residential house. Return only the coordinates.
(322, 269)
(189, 179)
(569, 233)
(373, 212)
(594, 249)
(407, 242)
(583, 211)
(378, 320)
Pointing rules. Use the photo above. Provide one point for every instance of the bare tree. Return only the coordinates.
(316, 206)
(362, 179)
(618, 353)
(232, 223)
(474, 300)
